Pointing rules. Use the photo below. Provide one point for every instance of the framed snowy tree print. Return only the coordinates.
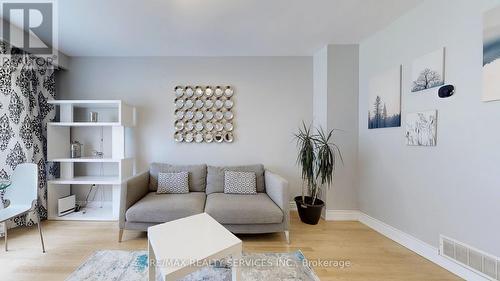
(384, 101)
(427, 71)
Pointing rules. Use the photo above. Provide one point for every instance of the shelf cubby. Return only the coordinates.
(108, 172)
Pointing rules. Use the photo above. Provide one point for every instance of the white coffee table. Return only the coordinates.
(180, 247)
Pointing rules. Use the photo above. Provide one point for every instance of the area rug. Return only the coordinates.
(112, 265)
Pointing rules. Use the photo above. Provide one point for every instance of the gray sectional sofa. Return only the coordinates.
(264, 212)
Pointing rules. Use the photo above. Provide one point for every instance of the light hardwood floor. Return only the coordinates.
(372, 256)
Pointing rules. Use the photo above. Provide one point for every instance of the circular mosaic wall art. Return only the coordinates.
(204, 114)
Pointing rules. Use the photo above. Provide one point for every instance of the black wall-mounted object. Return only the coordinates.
(446, 91)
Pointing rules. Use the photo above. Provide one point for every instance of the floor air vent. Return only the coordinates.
(473, 259)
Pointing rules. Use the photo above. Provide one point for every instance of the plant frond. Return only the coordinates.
(318, 156)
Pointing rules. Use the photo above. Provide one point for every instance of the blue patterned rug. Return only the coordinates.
(133, 266)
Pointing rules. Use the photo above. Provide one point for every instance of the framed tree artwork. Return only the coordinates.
(491, 55)
(427, 71)
(384, 107)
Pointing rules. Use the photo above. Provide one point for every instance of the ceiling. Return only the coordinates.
(218, 27)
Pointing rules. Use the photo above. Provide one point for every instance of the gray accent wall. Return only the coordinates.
(272, 97)
(335, 106)
(453, 188)
(343, 117)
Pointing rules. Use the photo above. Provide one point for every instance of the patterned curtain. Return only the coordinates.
(26, 84)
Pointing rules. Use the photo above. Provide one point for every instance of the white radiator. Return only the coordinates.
(66, 205)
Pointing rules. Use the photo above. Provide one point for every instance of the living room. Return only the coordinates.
(190, 140)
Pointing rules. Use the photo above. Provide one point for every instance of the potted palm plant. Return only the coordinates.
(317, 157)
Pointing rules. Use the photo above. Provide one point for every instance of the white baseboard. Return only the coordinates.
(418, 246)
(342, 215)
(334, 215)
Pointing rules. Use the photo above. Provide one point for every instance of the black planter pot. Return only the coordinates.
(309, 213)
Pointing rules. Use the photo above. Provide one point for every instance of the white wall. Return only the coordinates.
(320, 98)
(320, 95)
(453, 188)
(272, 97)
(343, 117)
(335, 106)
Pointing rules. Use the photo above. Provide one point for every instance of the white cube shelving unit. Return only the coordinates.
(114, 117)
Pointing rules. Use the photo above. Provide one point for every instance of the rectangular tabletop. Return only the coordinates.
(188, 241)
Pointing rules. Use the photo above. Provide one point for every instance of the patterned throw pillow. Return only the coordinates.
(173, 182)
(240, 182)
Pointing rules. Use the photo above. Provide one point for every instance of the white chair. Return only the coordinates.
(22, 195)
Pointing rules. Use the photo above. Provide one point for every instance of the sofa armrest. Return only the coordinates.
(277, 190)
(133, 190)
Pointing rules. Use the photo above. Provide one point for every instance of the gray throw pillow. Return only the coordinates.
(239, 182)
(215, 176)
(197, 175)
(175, 183)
